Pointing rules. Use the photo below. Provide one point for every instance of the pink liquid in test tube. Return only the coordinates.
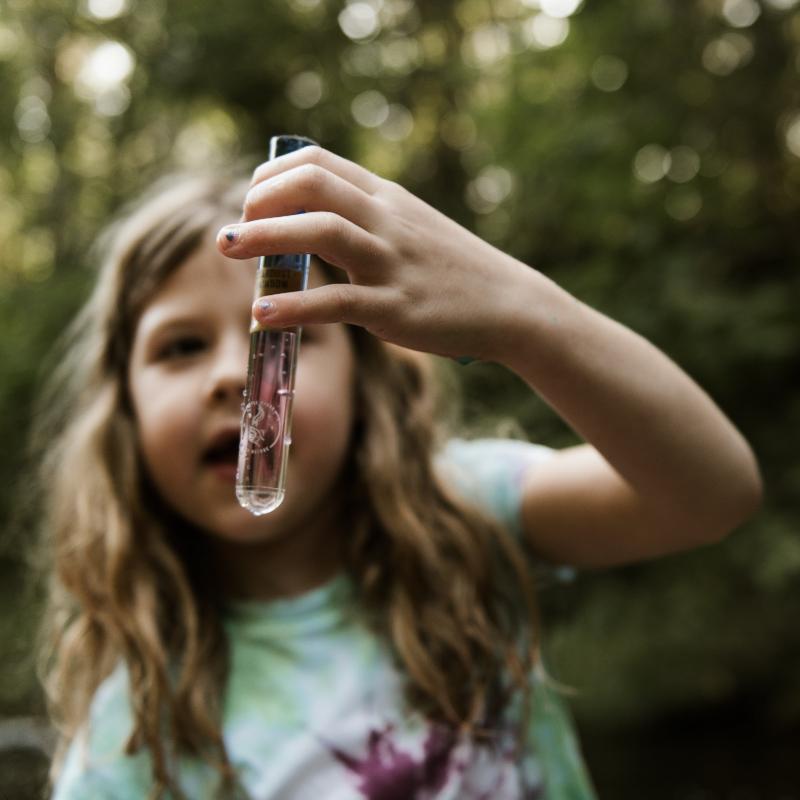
(267, 419)
(267, 407)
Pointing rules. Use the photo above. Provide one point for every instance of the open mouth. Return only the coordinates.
(223, 450)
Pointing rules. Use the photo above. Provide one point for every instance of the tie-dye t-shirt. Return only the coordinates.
(313, 705)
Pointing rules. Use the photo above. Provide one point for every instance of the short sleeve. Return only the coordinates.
(491, 473)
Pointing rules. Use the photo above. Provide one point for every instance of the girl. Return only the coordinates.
(375, 636)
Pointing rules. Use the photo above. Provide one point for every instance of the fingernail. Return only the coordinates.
(264, 306)
(231, 234)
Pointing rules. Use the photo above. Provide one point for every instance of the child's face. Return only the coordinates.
(186, 376)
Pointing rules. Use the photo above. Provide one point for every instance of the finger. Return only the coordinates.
(309, 187)
(335, 302)
(352, 173)
(331, 237)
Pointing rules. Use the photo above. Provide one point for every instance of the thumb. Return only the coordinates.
(338, 302)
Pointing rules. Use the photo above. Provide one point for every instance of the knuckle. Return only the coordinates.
(258, 174)
(310, 178)
(315, 154)
(391, 191)
(379, 251)
(250, 205)
(332, 228)
(342, 302)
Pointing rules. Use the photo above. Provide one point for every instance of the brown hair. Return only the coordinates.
(447, 585)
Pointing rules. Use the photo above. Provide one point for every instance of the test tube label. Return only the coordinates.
(274, 280)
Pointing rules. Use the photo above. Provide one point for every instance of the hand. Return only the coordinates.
(666, 469)
(417, 278)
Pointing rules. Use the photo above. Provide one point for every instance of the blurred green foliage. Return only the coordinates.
(643, 153)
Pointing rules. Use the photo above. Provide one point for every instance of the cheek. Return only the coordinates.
(165, 424)
(323, 419)
(322, 426)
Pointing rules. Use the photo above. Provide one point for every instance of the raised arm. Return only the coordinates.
(663, 469)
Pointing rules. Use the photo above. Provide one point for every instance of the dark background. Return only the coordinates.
(643, 153)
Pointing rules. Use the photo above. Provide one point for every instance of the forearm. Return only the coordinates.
(668, 458)
(654, 425)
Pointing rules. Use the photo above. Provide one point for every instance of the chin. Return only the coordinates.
(237, 525)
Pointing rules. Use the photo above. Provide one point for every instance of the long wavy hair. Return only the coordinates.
(447, 586)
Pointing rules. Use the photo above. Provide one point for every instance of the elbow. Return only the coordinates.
(742, 500)
(754, 493)
(751, 497)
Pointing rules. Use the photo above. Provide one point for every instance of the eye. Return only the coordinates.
(181, 347)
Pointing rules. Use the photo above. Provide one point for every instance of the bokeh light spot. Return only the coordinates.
(489, 189)
(208, 138)
(608, 73)
(651, 163)
(792, 135)
(363, 59)
(107, 65)
(458, 131)
(433, 40)
(487, 45)
(32, 119)
(683, 204)
(359, 21)
(740, 13)
(728, 52)
(400, 55)
(305, 5)
(106, 9)
(370, 109)
(9, 43)
(543, 31)
(37, 255)
(684, 164)
(305, 89)
(38, 86)
(560, 8)
(112, 102)
(40, 167)
(398, 124)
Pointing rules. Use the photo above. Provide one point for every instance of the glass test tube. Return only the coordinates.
(266, 432)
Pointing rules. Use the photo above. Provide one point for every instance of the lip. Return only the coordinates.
(222, 437)
(225, 472)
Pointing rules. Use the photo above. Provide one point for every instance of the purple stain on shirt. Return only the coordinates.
(488, 772)
(388, 773)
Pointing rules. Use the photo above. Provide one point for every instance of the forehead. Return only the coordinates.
(203, 284)
(205, 275)
(207, 282)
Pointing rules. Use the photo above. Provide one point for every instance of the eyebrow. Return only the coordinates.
(166, 321)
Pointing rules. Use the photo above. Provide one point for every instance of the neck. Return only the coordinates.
(301, 559)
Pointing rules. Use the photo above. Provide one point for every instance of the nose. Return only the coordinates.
(229, 370)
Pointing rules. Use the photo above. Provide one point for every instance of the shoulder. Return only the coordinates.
(491, 472)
